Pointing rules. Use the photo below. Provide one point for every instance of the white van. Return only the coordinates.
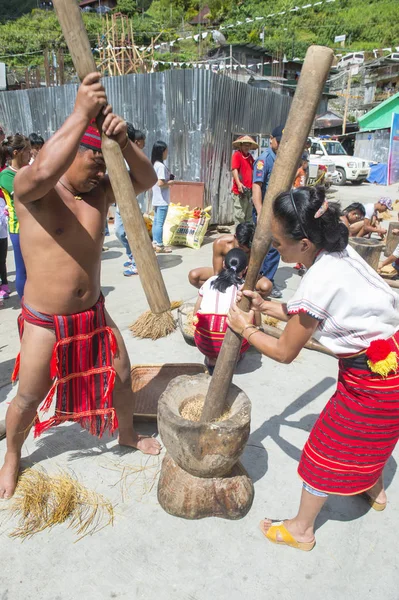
(349, 168)
(354, 58)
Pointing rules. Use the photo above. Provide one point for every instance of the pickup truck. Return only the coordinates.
(349, 168)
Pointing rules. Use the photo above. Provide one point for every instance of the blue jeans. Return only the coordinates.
(270, 264)
(159, 220)
(121, 235)
(20, 271)
(272, 258)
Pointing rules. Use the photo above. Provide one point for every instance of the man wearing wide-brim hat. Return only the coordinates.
(242, 165)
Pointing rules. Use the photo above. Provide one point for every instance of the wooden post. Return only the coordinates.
(46, 67)
(348, 91)
(303, 110)
(391, 240)
(369, 249)
(75, 34)
(61, 71)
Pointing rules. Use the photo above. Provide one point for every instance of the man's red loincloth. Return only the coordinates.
(81, 368)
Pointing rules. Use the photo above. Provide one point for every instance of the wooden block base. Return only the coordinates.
(183, 495)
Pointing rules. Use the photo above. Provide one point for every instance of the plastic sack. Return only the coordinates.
(192, 229)
(176, 214)
(149, 220)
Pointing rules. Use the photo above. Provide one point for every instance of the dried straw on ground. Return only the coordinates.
(153, 326)
(42, 501)
(143, 477)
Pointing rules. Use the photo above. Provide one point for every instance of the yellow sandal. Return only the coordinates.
(378, 506)
(286, 537)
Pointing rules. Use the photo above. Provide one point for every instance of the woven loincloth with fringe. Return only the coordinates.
(81, 368)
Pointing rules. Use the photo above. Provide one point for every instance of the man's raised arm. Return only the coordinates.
(58, 153)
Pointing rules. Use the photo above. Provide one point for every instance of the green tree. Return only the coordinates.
(127, 7)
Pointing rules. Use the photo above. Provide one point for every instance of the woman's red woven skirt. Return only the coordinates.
(209, 334)
(356, 433)
(81, 368)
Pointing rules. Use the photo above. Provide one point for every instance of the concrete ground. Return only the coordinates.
(149, 554)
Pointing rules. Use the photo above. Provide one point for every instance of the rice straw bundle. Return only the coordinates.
(154, 326)
(42, 501)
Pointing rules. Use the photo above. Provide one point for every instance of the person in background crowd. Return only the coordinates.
(221, 246)
(300, 181)
(160, 195)
(138, 137)
(4, 289)
(2, 134)
(306, 154)
(393, 259)
(242, 165)
(18, 151)
(215, 299)
(36, 144)
(352, 215)
(262, 171)
(370, 223)
(300, 177)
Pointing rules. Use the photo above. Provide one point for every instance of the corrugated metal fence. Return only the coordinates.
(195, 112)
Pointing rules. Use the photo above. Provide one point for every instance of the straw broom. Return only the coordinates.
(158, 321)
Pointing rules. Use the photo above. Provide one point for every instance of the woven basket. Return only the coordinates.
(182, 320)
(150, 381)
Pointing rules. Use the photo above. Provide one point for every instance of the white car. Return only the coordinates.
(354, 58)
(349, 168)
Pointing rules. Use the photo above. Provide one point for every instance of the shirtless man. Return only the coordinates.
(62, 201)
(241, 239)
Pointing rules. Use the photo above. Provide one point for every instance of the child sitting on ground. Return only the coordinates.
(215, 298)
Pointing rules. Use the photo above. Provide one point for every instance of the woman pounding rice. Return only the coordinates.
(344, 304)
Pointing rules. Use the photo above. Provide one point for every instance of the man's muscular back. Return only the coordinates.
(61, 240)
(221, 247)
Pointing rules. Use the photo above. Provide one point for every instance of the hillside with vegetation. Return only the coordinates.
(367, 24)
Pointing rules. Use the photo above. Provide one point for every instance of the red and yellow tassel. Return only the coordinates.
(381, 358)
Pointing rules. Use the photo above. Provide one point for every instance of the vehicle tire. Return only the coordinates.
(341, 176)
(358, 182)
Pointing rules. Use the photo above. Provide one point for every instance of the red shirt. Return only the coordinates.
(244, 165)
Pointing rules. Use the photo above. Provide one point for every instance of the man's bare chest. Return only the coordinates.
(72, 218)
